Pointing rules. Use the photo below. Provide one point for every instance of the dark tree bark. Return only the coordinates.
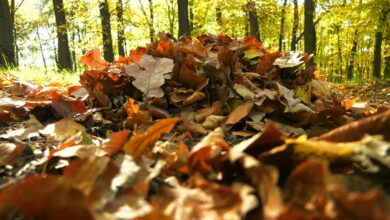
(121, 31)
(218, 12)
(151, 14)
(387, 67)
(253, 22)
(295, 27)
(184, 24)
(376, 72)
(191, 8)
(108, 50)
(351, 64)
(64, 59)
(309, 30)
(283, 17)
(7, 50)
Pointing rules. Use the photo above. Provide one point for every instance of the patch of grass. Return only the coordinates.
(40, 76)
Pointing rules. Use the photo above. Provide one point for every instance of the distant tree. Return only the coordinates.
(376, 71)
(295, 27)
(184, 24)
(282, 18)
(64, 60)
(151, 14)
(7, 50)
(108, 50)
(253, 22)
(309, 30)
(120, 28)
(171, 14)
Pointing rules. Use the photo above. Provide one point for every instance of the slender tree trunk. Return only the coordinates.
(295, 27)
(218, 12)
(106, 31)
(171, 14)
(184, 24)
(64, 59)
(339, 52)
(309, 30)
(281, 34)
(41, 48)
(253, 22)
(7, 50)
(151, 14)
(351, 64)
(120, 28)
(191, 8)
(387, 67)
(377, 55)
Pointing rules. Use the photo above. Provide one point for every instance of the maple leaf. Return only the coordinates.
(150, 74)
(137, 145)
(93, 59)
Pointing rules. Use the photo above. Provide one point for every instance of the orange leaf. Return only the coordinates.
(140, 142)
(115, 142)
(239, 113)
(44, 197)
(266, 62)
(165, 48)
(132, 108)
(135, 55)
(93, 60)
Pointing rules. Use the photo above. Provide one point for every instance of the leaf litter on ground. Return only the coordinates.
(200, 128)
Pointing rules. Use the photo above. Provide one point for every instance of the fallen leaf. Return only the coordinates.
(139, 143)
(239, 113)
(115, 142)
(62, 130)
(150, 74)
(93, 59)
(9, 153)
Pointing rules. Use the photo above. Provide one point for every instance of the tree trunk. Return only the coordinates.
(295, 27)
(281, 34)
(191, 8)
(64, 59)
(108, 50)
(377, 55)
(121, 31)
(7, 50)
(339, 52)
(151, 14)
(218, 12)
(353, 53)
(309, 30)
(387, 67)
(184, 24)
(41, 48)
(171, 14)
(253, 22)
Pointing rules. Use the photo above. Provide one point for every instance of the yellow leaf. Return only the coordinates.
(137, 145)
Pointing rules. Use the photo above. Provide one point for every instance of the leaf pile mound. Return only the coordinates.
(200, 128)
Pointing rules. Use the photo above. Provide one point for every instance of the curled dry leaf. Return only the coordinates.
(150, 74)
(376, 124)
(139, 143)
(115, 142)
(239, 113)
(93, 60)
(62, 129)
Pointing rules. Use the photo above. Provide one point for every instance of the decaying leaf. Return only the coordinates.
(139, 143)
(150, 74)
(239, 113)
(93, 59)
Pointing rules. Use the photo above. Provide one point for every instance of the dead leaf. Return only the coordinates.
(9, 153)
(150, 74)
(139, 143)
(62, 130)
(93, 59)
(115, 142)
(239, 113)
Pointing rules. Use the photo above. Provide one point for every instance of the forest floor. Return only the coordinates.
(201, 129)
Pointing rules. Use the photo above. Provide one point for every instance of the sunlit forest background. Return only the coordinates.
(349, 34)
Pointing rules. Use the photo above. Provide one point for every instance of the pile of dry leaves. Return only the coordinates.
(203, 128)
